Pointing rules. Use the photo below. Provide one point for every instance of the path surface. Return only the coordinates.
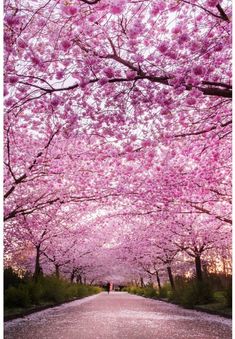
(118, 316)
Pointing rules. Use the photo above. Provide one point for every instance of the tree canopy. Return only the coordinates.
(117, 135)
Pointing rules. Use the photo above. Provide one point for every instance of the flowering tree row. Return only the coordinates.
(117, 136)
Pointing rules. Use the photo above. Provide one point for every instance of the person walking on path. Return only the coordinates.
(108, 287)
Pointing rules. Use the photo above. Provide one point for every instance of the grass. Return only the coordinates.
(48, 291)
(191, 294)
(217, 308)
(20, 310)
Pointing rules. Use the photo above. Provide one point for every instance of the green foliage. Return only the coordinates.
(35, 292)
(150, 292)
(46, 289)
(228, 295)
(192, 293)
(133, 289)
(53, 289)
(219, 281)
(165, 291)
(17, 296)
(11, 278)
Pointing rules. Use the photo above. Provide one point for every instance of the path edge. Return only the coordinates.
(42, 308)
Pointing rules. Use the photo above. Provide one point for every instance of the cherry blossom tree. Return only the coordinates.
(117, 135)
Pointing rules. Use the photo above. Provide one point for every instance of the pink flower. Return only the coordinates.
(65, 44)
(151, 154)
(128, 148)
(103, 81)
(21, 43)
(116, 9)
(130, 156)
(72, 10)
(219, 47)
(138, 58)
(55, 101)
(130, 74)
(212, 3)
(35, 60)
(12, 20)
(164, 111)
(183, 38)
(5, 91)
(9, 102)
(146, 143)
(13, 79)
(59, 75)
(162, 5)
(162, 47)
(155, 9)
(133, 137)
(191, 100)
(198, 70)
(176, 29)
(109, 72)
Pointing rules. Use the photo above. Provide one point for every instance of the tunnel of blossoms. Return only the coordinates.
(117, 138)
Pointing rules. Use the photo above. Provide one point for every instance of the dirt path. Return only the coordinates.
(117, 316)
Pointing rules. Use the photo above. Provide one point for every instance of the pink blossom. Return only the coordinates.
(155, 9)
(191, 100)
(183, 38)
(109, 72)
(130, 74)
(72, 10)
(151, 154)
(138, 58)
(128, 148)
(41, 22)
(35, 60)
(65, 44)
(163, 47)
(59, 75)
(177, 29)
(162, 5)
(218, 47)
(12, 20)
(55, 101)
(212, 3)
(13, 79)
(21, 43)
(116, 9)
(5, 91)
(146, 143)
(130, 157)
(133, 137)
(198, 70)
(9, 102)
(103, 81)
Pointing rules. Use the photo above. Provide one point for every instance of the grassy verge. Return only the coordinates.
(33, 296)
(192, 295)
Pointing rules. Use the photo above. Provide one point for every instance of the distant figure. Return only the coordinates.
(108, 287)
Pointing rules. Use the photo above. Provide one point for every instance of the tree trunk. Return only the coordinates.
(72, 276)
(38, 269)
(158, 281)
(57, 271)
(141, 282)
(79, 279)
(171, 277)
(198, 265)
